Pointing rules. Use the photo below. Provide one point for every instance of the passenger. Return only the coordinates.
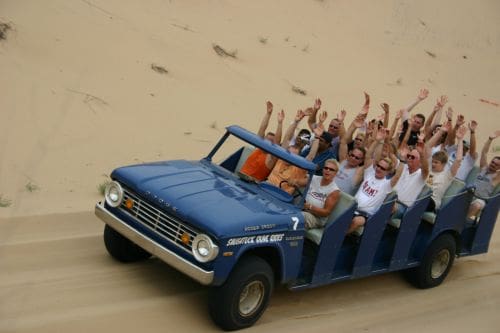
(486, 180)
(375, 185)
(350, 171)
(257, 165)
(287, 176)
(334, 129)
(441, 176)
(322, 196)
(469, 152)
(418, 119)
(413, 177)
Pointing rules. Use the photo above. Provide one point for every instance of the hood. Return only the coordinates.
(220, 205)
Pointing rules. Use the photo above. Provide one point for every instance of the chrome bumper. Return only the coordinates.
(153, 247)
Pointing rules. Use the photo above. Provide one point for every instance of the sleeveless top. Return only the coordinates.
(317, 194)
(484, 183)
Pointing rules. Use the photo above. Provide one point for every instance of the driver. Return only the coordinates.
(285, 175)
(322, 196)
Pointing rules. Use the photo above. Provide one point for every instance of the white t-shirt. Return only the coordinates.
(466, 165)
(317, 194)
(439, 182)
(409, 186)
(372, 192)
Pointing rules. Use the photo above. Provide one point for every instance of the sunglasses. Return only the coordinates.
(411, 157)
(330, 169)
(333, 126)
(355, 157)
(381, 167)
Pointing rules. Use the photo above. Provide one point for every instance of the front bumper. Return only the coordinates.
(171, 258)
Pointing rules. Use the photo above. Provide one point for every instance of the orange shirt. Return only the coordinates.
(255, 165)
(284, 171)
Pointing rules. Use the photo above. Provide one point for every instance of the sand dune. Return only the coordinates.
(90, 85)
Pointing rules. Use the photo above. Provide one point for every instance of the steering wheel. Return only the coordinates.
(298, 194)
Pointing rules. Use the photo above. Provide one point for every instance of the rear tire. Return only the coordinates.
(436, 263)
(121, 248)
(242, 299)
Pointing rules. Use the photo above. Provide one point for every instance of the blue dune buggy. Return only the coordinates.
(241, 237)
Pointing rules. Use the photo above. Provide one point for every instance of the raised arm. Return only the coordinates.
(279, 127)
(484, 153)
(424, 156)
(439, 105)
(318, 131)
(437, 137)
(265, 121)
(394, 126)
(450, 139)
(421, 96)
(379, 140)
(473, 145)
(385, 107)
(311, 121)
(397, 174)
(460, 133)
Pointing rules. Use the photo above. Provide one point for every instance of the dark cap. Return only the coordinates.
(327, 136)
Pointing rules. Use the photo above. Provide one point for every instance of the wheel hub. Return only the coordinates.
(440, 263)
(251, 298)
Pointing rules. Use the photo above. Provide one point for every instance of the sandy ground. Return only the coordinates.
(80, 97)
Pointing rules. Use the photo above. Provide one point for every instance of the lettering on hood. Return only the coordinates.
(259, 239)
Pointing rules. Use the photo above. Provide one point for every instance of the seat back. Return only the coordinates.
(453, 189)
(344, 203)
(247, 150)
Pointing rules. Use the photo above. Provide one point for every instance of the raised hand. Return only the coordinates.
(269, 107)
(446, 126)
(281, 116)
(322, 116)
(342, 115)
(423, 94)
(442, 101)
(460, 120)
(421, 137)
(472, 125)
(299, 115)
(495, 135)
(385, 107)
(366, 106)
(317, 104)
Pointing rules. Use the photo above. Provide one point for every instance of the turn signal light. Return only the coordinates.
(185, 238)
(129, 203)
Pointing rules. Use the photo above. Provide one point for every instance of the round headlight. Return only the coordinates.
(113, 194)
(204, 249)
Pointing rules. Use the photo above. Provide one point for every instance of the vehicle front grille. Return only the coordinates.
(164, 225)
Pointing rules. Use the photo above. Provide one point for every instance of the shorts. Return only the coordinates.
(480, 202)
(361, 213)
(311, 221)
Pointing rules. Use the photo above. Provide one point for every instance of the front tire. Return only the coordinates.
(242, 299)
(121, 248)
(436, 263)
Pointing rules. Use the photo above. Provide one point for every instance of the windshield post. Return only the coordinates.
(217, 146)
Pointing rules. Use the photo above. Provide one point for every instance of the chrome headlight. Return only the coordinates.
(204, 249)
(113, 194)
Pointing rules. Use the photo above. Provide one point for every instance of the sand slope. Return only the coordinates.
(80, 97)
